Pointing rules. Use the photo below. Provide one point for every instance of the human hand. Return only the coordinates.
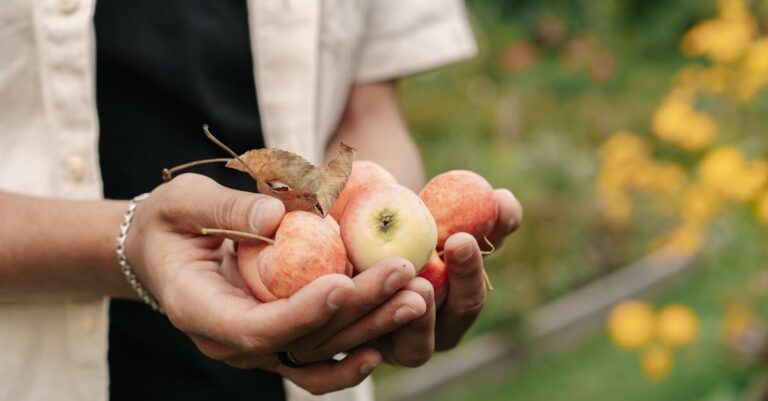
(441, 327)
(195, 279)
(466, 283)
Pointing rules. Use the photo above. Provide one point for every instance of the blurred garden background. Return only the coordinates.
(626, 128)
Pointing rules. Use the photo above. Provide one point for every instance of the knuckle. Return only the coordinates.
(470, 309)
(225, 211)
(466, 273)
(251, 345)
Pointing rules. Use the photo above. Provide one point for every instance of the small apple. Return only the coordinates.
(363, 173)
(384, 220)
(460, 201)
(436, 272)
(305, 247)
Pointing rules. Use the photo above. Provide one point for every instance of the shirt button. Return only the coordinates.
(75, 167)
(88, 324)
(68, 6)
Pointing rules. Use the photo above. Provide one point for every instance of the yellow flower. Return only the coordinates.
(677, 122)
(754, 72)
(700, 204)
(617, 207)
(631, 324)
(624, 149)
(725, 170)
(715, 79)
(656, 362)
(677, 325)
(723, 38)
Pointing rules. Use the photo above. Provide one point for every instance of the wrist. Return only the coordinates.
(136, 285)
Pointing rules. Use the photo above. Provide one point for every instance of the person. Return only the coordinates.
(300, 76)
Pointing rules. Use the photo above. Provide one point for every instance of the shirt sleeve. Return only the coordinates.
(405, 38)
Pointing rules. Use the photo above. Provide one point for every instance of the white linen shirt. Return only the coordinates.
(307, 55)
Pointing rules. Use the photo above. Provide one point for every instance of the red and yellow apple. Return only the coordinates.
(435, 271)
(363, 173)
(386, 220)
(305, 247)
(460, 201)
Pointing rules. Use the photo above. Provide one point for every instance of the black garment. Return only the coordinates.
(162, 70)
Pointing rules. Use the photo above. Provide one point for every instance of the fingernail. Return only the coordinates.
(367, 368)
(394, 281)
(463, 253)
(337, 297)
(404, 314)
(264, 212)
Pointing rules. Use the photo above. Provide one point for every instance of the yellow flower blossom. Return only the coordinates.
(700, 204)
(754, 72)
(617, 207)
(725, 37)
(762, 207)
(677, 325)
(624, 149)
(631, 324)
(656, 362)
(725, 170)
(715, 80)
(677, 122)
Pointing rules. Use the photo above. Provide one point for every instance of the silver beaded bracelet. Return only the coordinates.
(139, 288)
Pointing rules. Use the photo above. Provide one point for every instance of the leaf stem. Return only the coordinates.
(168, 172)
(226, 148)
(226, 233)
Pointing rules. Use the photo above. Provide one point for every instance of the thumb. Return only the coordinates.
(201, 202)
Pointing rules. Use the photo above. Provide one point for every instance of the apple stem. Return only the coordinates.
(223, 232)
(493, 248)
(168, 172)
(487, 281)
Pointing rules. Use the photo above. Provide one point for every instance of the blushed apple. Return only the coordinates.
(436, 272)
(306, 247)
(363, 173)
(385, 220)
(460, 201)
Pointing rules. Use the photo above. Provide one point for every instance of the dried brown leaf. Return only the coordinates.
(295, 181)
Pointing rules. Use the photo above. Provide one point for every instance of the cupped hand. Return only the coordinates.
(441, 327)
(195, 279)
(466, 284)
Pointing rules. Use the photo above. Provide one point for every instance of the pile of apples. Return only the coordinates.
(372, 219)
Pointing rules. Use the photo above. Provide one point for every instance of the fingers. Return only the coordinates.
(324, 377)
(373, 288)
(466, 291)
(404, 307)
(194, 201)
(510, 216)
(210, 307)
(412, 344)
